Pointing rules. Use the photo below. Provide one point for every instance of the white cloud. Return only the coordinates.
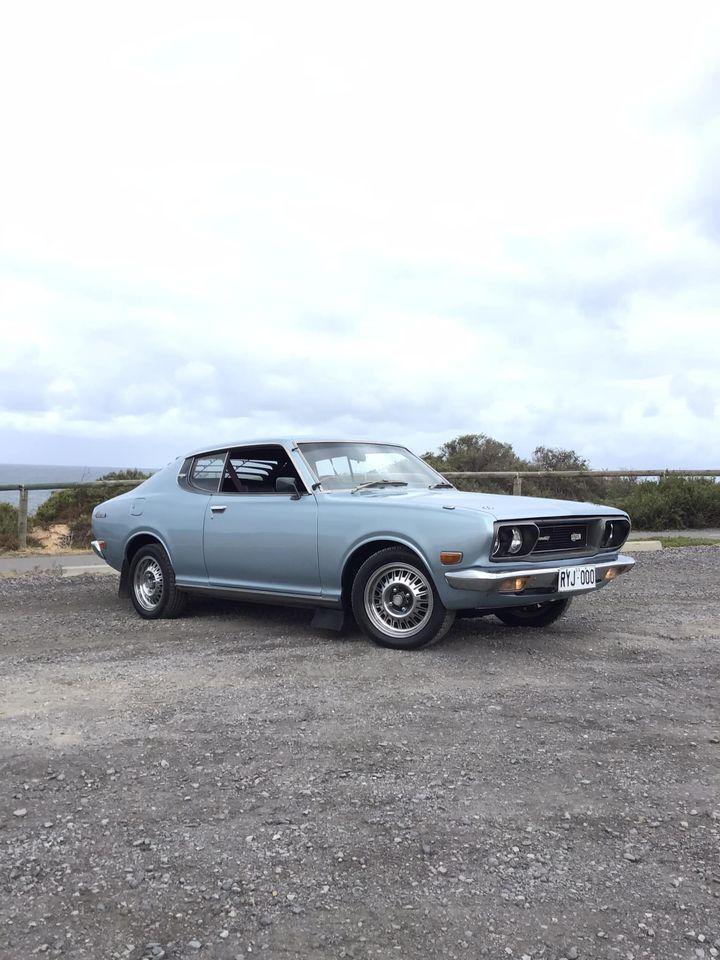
(395, 220)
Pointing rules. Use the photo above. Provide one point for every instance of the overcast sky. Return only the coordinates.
(399, 221)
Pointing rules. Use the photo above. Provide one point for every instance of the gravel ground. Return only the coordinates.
(234, 783)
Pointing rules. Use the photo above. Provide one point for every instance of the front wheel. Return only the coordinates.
(395, 601)
(534, 615)
(152, 584)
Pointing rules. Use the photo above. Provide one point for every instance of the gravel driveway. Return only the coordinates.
(234, 783)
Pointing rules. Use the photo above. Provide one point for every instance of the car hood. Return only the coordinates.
(494, 505)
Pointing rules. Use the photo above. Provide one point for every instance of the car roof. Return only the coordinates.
(284, 442)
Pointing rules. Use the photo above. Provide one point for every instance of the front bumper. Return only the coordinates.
(536, 580)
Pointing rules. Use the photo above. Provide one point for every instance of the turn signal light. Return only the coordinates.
(449, 557)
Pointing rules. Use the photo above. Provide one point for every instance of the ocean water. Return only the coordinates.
(44, 473)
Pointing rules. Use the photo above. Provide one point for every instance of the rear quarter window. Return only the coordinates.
(206, 471)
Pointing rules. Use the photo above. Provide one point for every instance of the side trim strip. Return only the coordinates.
(260, 596)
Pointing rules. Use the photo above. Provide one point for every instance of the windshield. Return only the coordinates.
(346, 466)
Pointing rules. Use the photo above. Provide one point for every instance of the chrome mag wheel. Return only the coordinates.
(398, 600)
(148, 583)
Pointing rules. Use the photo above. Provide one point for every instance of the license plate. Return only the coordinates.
(572, 579)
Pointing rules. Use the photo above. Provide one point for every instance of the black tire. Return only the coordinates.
(399, 570)
(534, 615)
(151, 565)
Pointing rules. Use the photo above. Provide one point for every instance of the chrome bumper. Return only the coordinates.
(97, 546)
(543, 578)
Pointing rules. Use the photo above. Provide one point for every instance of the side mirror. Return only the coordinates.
(287, 485)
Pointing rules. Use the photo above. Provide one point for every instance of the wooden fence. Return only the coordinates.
(23, 488)
(516, 476)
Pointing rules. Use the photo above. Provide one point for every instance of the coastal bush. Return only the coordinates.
(74, 507)
(673, 503)
(8, 527)
(478, 452)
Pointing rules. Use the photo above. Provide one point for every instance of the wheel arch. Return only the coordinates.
(139, 539)
(360, 553)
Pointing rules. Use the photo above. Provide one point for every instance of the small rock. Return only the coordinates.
(20, 812)
(224, 934)
(572, 953)
(265, 919)
(194, 944)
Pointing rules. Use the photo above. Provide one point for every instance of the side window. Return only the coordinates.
(206, 471)
(255, 470)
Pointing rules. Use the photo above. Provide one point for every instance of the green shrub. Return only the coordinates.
(673, 503)
(8, 527)
(75, 506)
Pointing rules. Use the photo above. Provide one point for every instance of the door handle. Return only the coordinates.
(219, 508)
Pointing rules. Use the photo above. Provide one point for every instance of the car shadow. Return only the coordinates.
(264, 615)
(465, 636)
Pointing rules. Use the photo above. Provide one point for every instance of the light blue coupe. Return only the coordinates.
(341, 526)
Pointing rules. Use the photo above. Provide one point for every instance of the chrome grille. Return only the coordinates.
(567, 536)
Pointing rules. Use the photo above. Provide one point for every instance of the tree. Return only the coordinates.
(554, 458)
(562, 488)
(476, 451)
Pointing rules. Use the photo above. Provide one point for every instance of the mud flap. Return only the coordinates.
(325, 619)
(124, 587)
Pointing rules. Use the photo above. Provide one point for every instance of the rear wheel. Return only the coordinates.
(534, 615)
(395, 602)
(152, 584)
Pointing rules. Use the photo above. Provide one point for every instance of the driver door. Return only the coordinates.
(256, 538)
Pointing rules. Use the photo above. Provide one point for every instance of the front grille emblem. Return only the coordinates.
(575, 537)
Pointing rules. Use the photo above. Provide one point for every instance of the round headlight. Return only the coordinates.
(516, 540)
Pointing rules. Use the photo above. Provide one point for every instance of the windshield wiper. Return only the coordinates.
(441, 485)
(379, 483)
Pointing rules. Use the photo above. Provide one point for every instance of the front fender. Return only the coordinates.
(344, 527)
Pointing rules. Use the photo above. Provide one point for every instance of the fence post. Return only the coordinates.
(22, 518)
(517, 486)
